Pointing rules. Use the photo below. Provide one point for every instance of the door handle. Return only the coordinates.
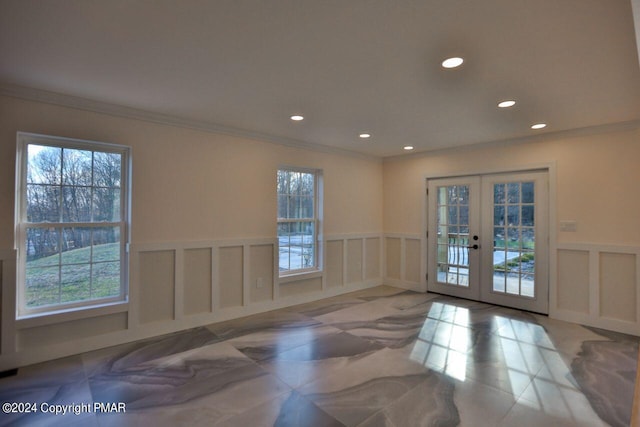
(473, 247)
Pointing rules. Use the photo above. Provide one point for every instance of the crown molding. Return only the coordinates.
(47, 97)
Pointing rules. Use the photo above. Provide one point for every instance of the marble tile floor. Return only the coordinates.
(379, 357)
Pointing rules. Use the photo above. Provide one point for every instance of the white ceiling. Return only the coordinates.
(347, 66)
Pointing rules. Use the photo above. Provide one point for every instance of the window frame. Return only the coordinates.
(25, 139)
(316, 221)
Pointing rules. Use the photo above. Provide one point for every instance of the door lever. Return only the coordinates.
(473, 247)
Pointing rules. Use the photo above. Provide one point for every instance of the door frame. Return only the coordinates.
(550, 168)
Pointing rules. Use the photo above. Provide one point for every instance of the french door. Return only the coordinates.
(488, 239)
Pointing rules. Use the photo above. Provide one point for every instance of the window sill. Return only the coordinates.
(78, 313)
(296, 277)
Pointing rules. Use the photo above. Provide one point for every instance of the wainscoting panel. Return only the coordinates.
(393, 258)
(157, 287)
(198, 273)
(405, 262)
(261, 273)
(573, 274)
(231, 276)
(334, 262)
(598, 285)
(68, 332)
(372, 251)
(617, 282)
(355, 260)
(413, 257)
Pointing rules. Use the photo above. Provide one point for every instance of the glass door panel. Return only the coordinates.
(487, 236)
(513, 241)
(453, 234)
(453, 224)
(515, 262)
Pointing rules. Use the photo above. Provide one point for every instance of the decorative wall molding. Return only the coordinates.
(595, 313)
(402, 280)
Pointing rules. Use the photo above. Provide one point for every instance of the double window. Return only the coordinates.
(298, 220)
(72, 218)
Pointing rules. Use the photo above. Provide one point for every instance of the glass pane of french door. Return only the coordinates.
(514, 238)
(453, 234)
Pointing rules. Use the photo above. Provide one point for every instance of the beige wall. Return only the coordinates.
(595, 271)
(226, 182)
(597, 179)
(203, 225)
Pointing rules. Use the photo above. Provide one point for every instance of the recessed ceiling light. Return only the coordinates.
(408, 147)
(365, 135)
(539, 126)
(297, 118)
(452, 62)
(507, 104)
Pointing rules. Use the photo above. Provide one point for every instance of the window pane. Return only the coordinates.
(513, 190)
(43, 246)
(452, 195)
(306, 203)
(283, 245)
(452, 212)
(528, 238)
(105, 280)
(306, 184)
(43, 203)
(43, 164)
(498, 215)
(498, 194)
(513, 215)
(76, 167)
(513, 236)
(283, 204)
(499, 237)
(107, 169)
(308, 244)
(463, 194)
(527, 215)
(76, 244)
(76, 204)
(42, 286)
(527, 192)
(106, 204)
(106, 244)
(75, 282)
(295, 246)
(294, 207)
(464, 215)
